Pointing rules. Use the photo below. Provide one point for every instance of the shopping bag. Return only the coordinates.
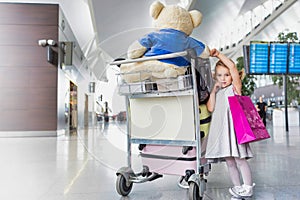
(247, 123)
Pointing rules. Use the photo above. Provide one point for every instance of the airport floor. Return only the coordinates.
(82, 165)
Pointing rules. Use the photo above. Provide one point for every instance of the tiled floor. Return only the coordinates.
(82, 166)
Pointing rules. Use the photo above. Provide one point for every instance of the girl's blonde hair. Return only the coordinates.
(222, 64)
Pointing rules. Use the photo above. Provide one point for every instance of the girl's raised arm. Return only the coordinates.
(236, 80)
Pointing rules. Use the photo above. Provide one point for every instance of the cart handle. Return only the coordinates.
(165, 56)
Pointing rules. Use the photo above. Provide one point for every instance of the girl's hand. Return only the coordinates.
(216, 87)
(214, 53)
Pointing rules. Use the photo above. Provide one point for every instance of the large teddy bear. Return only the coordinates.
(174, 24)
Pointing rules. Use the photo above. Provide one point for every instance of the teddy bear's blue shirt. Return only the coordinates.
(167, 41)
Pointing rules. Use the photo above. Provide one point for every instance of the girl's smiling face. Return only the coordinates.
(223, 76)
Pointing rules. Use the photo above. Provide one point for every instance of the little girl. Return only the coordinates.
(222, 144)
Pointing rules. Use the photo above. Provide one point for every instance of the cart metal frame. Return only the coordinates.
(125, 175)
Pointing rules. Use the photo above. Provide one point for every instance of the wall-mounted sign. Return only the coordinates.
(259, 58)
(294, 58)
(278, 58)
(272, 58)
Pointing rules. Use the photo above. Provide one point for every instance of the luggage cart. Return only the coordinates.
(163, 118)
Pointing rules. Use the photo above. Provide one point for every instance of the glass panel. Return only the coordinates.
(258, 58)
(294, 58)
(278, 58)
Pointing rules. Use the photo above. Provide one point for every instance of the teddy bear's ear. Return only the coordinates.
(196, 17)
(155, 9)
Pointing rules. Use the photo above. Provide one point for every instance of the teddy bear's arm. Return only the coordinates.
(136, 50)
(205, 53)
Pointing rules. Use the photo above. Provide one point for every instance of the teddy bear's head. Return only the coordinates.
(174, 17)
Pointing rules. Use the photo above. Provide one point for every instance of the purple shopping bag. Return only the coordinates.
(247, 123)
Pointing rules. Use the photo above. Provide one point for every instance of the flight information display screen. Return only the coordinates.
(278, 58)
(259, 58)
(294, 58)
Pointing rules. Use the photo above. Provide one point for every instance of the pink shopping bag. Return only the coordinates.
(247, 123)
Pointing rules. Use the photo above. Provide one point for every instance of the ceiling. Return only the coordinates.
(132, 20)
(118, 23)
(105, 28)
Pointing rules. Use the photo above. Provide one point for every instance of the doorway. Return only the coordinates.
(86, 111)
(73, 123)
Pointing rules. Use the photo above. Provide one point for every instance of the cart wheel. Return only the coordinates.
(122, 187)
(194, 192)
(145, 172)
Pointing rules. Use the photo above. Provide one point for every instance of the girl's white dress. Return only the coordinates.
(222, 142)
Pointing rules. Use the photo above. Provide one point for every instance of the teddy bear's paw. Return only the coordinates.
(167, 73)
(170, 73)
(136, 50)
(135, 77)
(180, 70)
(158, 75)
(205, 53)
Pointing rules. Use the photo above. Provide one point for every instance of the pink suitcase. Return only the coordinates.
(168, 159)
